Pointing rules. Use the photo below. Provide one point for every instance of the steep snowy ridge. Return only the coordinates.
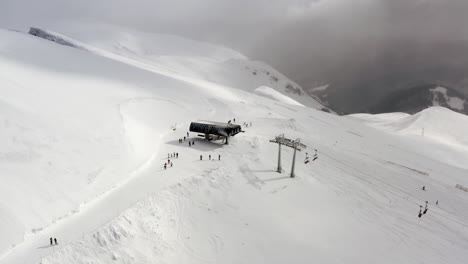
(273, 94)
(185, 57)
(85, 134)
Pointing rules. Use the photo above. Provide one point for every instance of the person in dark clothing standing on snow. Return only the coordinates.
(201, 157)
(219, 157)
(51, 241)
(209, 157)
(55, 240)
(189, 144)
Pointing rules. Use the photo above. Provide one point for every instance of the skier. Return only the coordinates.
(55, 240)
(234, 120)
(209, 157)
(420, 213)
(51, 242)
(437, 202)
(424, 188)
(315, 156)
(193, 142)
(165, 165)
(184, 138)
(201, 157)
(171, 164)
(219, 157)
(189, 144)
(168, 155)
(425, 210)
(187, 134)
(177, 155)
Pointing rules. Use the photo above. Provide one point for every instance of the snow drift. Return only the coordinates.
(273, 94)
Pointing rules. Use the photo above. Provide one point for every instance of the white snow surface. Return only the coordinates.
(275, 95)
(320, 88)
(85, 133)
(435, 123)
(188, 58)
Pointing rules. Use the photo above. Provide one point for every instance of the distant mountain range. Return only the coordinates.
(418, 98)
(410, 100)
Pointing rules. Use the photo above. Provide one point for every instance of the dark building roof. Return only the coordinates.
(215, 128)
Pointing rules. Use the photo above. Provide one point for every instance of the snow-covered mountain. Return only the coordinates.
(419, 98)
(87, 127)
(171, 54)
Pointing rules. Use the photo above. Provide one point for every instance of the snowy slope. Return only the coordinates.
(74, 127)
(86, 132)
(184, 56)
(436, 123)
(273, 94)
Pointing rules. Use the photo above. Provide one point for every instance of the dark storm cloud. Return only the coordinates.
(367, 49)
(359, 46)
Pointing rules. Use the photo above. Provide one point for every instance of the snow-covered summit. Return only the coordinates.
(438, 123)
(174, 54)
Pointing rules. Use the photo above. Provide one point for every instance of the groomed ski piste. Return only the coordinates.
(86, 130)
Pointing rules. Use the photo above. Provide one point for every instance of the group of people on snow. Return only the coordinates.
(315, 157)
(53, 240)
(209, 157)
(247, 124)
(421, 211)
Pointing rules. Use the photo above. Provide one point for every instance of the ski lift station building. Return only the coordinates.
(210, 129)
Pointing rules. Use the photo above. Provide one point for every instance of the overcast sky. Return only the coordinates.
(335, 41)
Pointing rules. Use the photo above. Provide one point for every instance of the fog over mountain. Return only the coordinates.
(364, 49)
